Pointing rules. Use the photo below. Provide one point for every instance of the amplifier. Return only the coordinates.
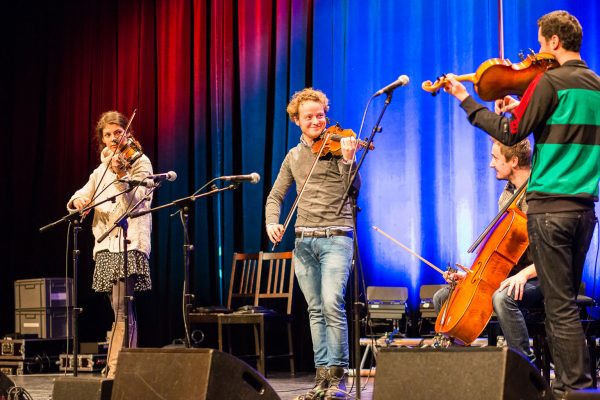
(388, 309)
(427, 309)
(23, 349)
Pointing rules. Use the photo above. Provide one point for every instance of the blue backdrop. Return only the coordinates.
(428, 182)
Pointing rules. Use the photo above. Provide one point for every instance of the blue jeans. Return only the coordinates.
(510, 317)
(322, 267)
(558, 243)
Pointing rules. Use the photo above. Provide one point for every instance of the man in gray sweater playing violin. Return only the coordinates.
(324, 240)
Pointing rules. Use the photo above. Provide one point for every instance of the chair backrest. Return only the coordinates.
(387, 293)
(244, 279)
(276, 279)
(426, 292)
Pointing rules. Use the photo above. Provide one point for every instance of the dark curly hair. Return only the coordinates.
(565, 26)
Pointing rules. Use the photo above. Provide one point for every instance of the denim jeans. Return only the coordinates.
(511, 319)
(322, 267)
(509, 314)
(558, 244)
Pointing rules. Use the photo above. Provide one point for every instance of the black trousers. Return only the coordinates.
(559, 243)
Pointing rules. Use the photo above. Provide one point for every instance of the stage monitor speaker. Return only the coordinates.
(458, 373)
(81, 388)
(586, 394)
(180, 373)
(5, 385)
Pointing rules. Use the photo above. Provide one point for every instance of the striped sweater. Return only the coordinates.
(561, 107)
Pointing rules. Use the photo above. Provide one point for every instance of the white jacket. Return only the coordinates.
(106, 214)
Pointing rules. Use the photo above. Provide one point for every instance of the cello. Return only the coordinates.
(469, 307)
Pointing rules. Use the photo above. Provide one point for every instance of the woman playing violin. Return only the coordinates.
(561, 108)
(324, 246)
(108, 254)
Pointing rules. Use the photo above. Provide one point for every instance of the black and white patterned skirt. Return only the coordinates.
(109, 268)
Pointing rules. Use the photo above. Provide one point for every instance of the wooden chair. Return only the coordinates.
(276, 290)
(242, 291)
(257, 280)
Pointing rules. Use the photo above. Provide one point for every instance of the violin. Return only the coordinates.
(497, 77)
(130, 150)
(330, 140)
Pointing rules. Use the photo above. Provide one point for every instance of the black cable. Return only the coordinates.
(18, 393)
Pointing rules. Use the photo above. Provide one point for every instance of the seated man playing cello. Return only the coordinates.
(521, 288)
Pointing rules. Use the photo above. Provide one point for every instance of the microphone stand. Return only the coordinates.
(184, 205)
(124, 225)
(73, 218)
(357, 305)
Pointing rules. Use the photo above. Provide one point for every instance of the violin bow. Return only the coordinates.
(379, 230)
(295, 204)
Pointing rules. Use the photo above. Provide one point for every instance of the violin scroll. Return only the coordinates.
(497, 77)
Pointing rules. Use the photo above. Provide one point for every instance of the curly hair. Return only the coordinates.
(565, 26)
(308, 94)
(108, 117)
(521, 150)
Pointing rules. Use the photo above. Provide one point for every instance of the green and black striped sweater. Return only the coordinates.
(561, 107)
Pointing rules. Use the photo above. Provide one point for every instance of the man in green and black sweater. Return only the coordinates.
(561, 107)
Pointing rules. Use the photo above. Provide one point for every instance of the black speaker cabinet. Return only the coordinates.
(5, 385)
(460, 373)
(586, 394)
(81, 388)
(179, 373)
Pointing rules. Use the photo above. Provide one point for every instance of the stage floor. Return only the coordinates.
(286, 386)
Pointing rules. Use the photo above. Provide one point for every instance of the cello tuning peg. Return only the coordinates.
(531, 52)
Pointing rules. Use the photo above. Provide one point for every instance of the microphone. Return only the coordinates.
(252, 178)
(152, 180)
(166, 176)
(401, 81)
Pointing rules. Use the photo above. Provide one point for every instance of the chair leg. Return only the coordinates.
(262, 348)
(291, 349)
(259, 346)
(228, 336)
(220, 334)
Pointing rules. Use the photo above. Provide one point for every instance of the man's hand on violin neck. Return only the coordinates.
(455, 88)
(348, 145)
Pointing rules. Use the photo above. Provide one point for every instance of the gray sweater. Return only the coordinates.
(322, 195)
